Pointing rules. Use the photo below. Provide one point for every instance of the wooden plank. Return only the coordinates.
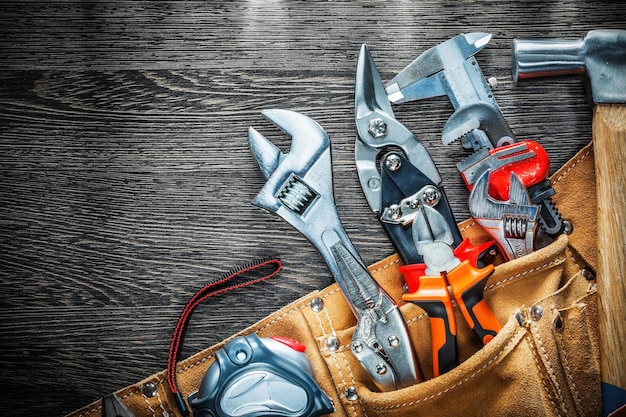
(125, 177)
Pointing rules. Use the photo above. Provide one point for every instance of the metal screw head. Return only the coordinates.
(395, 211)
(332, 343)
(431, 196)
(393, 341)
(149, 390)
(357, 347)
(377, 128)
(381, 369)
(393, 162)
(351, 394)
(317, 304)
(536, 312)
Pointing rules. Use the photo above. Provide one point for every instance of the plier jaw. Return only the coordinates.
(433, 240)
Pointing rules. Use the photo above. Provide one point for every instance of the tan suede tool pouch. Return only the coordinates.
(544, 361)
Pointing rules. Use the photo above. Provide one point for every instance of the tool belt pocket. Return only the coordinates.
(544, 361)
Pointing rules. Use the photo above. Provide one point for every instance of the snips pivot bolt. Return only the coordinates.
(377, 128)
(393, 162)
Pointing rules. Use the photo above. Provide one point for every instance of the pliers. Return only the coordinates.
(406, 177)
(299, 189)
(433, 240)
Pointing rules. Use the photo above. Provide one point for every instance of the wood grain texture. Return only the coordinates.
(126, 180)
(609, 140)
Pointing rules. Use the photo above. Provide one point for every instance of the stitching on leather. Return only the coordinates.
(149, 405)
(91, 410)
(538, 268)
(569, 374)
(387, 265)
(165, 413)
(470, 225)
(550, 367)
(535, 356)
(419, 316)
(461, 382)
(574, 256)
(583, 156)
(334, 354)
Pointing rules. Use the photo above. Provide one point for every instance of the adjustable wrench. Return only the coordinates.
(299, 189)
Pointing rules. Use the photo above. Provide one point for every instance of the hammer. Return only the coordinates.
(601, 55)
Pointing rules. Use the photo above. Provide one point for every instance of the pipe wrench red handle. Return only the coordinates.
(528, 159)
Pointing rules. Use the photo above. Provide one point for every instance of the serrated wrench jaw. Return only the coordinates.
(295, 179)
(512, 223)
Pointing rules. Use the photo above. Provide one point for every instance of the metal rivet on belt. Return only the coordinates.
(149, 390)
(351, 393)
(568, 227)
(558, 323)
(536, 312)
(519, 317)
(317, 304)
(332, 343)
(381, 369)
(588, 273)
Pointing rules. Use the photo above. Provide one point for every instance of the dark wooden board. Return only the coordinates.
(126, 179)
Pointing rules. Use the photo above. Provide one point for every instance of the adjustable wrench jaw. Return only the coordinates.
(299, 189)
(299, 184)
(450, 69)
(512, 223)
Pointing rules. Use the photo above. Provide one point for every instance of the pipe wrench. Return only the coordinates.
(450, 69)
(299, 189)
(433, 240)
(406, 177)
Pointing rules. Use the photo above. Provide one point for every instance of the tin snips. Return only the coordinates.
(406, 177)
(299, 189)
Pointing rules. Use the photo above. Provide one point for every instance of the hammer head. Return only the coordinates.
(601, 55)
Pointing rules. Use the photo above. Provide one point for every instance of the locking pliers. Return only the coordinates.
(406, 177)
(299, 189)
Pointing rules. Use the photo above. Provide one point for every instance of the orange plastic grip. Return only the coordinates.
(468, 284)
(433, 297)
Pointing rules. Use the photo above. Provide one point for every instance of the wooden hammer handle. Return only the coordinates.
(609, 142)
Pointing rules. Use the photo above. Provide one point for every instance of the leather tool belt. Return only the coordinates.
(544, 362)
